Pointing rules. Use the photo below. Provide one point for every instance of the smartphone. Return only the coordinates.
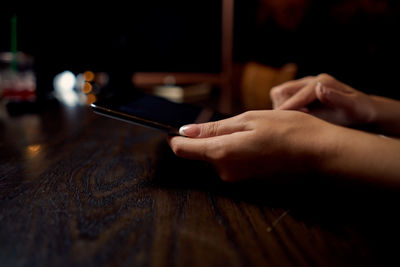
(154, 112)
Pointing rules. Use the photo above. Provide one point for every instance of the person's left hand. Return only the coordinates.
(326, 98)
(257, 144)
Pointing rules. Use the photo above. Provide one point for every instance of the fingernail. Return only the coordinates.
(191, 130)
(323, 90)
(320, 88)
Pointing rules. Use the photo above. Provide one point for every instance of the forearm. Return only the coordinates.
(386, 118)
(363, 156)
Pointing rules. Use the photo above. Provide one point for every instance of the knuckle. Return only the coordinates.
(211, 129)
(178, 149)
(325, 78)
(247, 116)
(277, 91)
(218, 153)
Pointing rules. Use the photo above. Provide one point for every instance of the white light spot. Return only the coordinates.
(64, 84)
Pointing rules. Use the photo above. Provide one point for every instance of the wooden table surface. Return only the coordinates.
(77, 189)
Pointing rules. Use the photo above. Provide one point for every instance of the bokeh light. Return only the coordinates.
(90, 98)
(89, 76)
(87, 88)
(64, 84)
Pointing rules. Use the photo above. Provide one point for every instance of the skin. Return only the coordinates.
(261, 144)
(329, 99)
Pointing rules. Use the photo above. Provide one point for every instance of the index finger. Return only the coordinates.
(302, 98)
(215, 128)
(280, 93)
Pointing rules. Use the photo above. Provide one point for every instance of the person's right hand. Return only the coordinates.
(327, 98)
(278, 144)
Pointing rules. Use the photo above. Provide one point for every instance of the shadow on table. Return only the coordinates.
(302, 192)
(328, 203)
(316, 198)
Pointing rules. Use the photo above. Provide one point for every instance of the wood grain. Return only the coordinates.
(80, 190)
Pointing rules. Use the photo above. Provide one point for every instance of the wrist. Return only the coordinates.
(323, 147)
(327, 149)
(385, 115)
(361, 156)
(374, 110)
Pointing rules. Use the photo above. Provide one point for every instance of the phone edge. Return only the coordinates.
(133, 119)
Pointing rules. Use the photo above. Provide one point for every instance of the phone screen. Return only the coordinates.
(154, 112)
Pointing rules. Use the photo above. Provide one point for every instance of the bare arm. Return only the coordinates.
(365, 157)
(387, 115)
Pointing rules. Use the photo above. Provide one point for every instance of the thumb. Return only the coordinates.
(210, 129)
(333, 98)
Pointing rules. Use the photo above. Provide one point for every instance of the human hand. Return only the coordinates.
(327, 98)
(257, 144)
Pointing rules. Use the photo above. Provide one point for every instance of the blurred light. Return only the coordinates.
(87, 88)
(89, 76)
(64, 84)
(80, 81)
(101, 79)
(169, 80)
(90, 99)
(65, 81)
(32, 150)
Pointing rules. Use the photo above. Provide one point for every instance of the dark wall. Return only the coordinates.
(119, 38)
(355, 40)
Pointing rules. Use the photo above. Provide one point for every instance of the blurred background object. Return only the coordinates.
(258, 79)
(17, 78)
(159, 44)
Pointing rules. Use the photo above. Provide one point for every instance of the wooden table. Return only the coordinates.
(77, 189)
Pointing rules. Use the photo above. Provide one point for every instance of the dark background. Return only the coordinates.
(355, 41)
(118, 38)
